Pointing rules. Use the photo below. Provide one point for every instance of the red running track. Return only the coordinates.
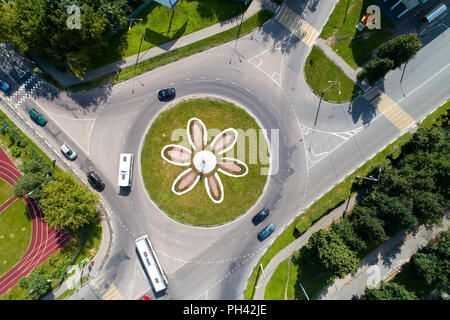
(44, 241)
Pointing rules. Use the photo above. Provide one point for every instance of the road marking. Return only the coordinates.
(112, 294)
(391, 110)
(297, 26)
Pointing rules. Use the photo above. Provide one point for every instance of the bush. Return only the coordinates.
(16, 151)
(303, 225)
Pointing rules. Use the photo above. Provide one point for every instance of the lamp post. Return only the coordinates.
(140, 44)
(303, 290)
(334, 83)
(370, 177)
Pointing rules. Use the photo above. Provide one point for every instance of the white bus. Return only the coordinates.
(151, 263)
(125, 169)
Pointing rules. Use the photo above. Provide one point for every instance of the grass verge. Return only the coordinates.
(319, 70)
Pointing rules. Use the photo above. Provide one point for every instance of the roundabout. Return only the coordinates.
(204, 142)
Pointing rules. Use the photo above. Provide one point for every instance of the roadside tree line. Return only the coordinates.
(390, 56)
(41, 27)
(411, 192)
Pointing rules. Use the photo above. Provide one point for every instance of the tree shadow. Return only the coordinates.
(215, 9)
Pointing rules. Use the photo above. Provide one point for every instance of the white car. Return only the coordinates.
(69, 153)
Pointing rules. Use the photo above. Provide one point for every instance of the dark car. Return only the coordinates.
(95, 181)
(37, 117)
(266, 232)
(260, 216)
(166, 94)
(4, 86)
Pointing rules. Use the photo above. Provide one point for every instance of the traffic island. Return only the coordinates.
(205, 161)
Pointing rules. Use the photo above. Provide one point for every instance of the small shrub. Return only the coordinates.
(16, 151)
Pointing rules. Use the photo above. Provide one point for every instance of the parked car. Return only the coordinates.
(145, 297)
(260, 216)
(68, 152)
(95, 181)
(166, 94)
(37, 117)
(4, 86)
(266, 232)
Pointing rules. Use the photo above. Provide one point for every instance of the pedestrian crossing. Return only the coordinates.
(391, 110)
(25, 90)
(112, 294)
(294, 23)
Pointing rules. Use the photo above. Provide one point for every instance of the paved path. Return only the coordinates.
(384, 262)
(297, 244)
(349, 71)
(67, 80)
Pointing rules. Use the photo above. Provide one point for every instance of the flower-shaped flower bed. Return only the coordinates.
(203, 161)
(191, 164)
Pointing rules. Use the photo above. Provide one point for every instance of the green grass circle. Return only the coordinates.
(195, 207)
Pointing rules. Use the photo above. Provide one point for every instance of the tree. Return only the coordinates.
(400, 49)
(35, 283)
(36, 174)
(426, 266)
(344, 229)
(332, 252)
(67, 203)
(367, 225)
(428, 208)
(396, 212)
(389, 291)
(376, 69)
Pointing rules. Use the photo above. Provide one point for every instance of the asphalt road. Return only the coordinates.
(319, 143)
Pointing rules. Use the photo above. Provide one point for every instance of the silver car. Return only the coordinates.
(69, 153)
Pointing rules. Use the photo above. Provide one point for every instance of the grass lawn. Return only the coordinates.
(6, 191)
(159, 26)
(15, 234)
(358, 52)
(319, 69)
(195, 207)
(277, 284)
(341, 25)
(346, 15)
(248, 25)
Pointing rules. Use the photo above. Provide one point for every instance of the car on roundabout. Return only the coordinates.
(166, 94)
(260, 216)
(267, 231)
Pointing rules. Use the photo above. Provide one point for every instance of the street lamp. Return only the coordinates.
(140, 45)
(303, 290)
(370, 177)
(334, 83)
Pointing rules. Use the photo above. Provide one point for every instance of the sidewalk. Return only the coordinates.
(68, 80)
(90, 270)
(298, 243)
(383, 262)
(333, 56)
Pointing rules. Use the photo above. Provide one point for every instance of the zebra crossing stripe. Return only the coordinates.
(286, 16)
(390, 109)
